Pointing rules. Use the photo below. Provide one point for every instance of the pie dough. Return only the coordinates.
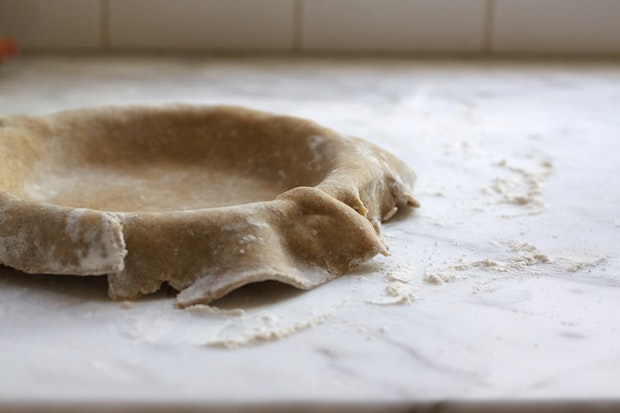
(204, 198)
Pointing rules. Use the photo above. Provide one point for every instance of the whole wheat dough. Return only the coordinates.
(206, 199)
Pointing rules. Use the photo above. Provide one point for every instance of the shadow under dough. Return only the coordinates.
(92, 288)
(95, 288)
(255, 295)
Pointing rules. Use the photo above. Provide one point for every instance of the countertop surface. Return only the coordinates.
(503, 285)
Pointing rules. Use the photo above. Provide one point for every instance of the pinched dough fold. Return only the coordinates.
(206, 199)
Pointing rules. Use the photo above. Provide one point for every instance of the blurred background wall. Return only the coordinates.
(500, 27)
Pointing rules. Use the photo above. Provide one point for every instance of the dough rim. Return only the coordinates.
(349, 205)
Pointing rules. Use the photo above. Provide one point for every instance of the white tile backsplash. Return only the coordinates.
(201, 24)
(52, 24)
(557, 26)
(444, 26)
(393, 25)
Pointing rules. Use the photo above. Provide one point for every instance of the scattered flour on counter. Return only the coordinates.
(526, 255)
(265, 334)
(147, 327)
(523, 186)
(526, 258)
(462, 148)
(212, 310)
(399, 293)
(571, 265)
(399, 289)
(441, 277)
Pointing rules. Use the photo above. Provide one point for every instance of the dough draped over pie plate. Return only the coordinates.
(204, 198)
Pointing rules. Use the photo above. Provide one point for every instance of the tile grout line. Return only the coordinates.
(489, 18)
(298, 11)
(104, 9)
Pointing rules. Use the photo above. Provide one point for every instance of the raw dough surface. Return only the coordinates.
(206, 199)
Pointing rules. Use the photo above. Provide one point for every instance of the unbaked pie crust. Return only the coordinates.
(204, 198)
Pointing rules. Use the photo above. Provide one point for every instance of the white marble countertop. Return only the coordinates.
(508, 275)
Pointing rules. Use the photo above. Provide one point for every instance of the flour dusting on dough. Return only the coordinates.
(73, 228)
(313, 144)
(102, 249)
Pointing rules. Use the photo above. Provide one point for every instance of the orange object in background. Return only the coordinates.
(8, 48)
